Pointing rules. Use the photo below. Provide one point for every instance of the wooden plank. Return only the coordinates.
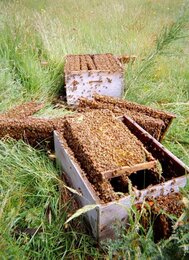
(128, 170)
(166, 130)
(78, 182)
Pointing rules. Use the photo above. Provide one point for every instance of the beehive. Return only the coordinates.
(101, 219)
(89, 74)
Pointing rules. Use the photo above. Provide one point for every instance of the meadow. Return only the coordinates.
(35, 36)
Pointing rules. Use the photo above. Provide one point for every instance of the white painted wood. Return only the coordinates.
(86, 83)
(78, 182)
(113, 213)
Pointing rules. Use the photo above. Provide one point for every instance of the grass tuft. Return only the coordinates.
(32, 216)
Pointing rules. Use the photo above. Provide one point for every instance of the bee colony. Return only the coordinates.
(89, 74)
(159, 211)
(153, 121)
(102, 155)
(106, 149)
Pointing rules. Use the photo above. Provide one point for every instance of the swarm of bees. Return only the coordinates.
(159, 212)
(88, 62)
(22, 111)
(101, 142)
(153, 121)
(114, 145)
(18, 123)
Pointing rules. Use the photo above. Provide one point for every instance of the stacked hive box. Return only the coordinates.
(89, 74)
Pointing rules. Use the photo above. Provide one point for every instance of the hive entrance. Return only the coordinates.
(139, 180)
(118, 185)
(142, 179)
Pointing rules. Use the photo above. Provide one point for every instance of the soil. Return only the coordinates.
(161, 210)
(105, 62)
(153, 121)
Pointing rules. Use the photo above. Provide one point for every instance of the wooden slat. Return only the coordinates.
(128, 170)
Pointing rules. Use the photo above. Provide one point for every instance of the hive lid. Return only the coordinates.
(88, 62)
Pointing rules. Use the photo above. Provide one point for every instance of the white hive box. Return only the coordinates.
(89, 74)
(105, 215)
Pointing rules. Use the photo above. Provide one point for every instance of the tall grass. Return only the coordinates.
(22, 58)
(35, 36)
(32, 216)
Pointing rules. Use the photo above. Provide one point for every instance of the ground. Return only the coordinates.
(35, 37)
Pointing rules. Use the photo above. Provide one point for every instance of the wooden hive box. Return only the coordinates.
(101, 219)
(89, 74)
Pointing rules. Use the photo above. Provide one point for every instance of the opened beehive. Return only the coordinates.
(112, 197)
(89, 74)
(105, 149)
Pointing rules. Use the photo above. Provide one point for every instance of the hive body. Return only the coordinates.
(89, 74)
(174, 174)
